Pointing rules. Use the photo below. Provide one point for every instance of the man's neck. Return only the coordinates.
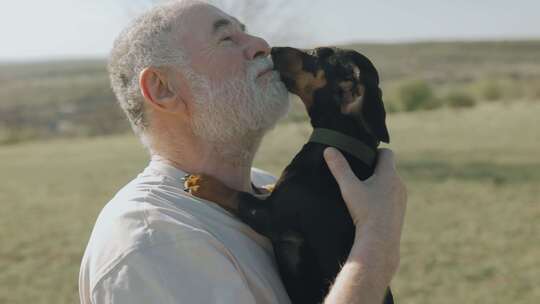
(230, 163)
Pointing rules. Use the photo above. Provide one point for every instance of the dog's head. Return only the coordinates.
(336, 86)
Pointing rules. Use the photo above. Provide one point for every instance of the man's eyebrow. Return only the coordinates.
(221, 23)
(242, 26)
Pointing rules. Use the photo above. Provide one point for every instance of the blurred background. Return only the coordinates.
(461, 81)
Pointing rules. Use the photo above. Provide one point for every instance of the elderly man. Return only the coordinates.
(199, 92)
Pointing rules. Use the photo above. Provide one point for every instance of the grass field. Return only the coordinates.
(471, 230)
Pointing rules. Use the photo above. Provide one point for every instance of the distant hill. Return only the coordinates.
(61, 98)
(73, 98)
(454, 61)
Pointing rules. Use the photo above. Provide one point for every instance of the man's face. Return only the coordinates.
(236, 93)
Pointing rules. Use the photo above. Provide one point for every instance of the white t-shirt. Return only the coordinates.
(155, 243)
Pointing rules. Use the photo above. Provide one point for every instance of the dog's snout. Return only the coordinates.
(277, 52)
(284, 58)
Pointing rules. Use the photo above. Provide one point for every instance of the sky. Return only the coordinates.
(55, 29)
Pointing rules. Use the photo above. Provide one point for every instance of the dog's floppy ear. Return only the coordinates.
(373, 113)
(364, 101)
(372, 110)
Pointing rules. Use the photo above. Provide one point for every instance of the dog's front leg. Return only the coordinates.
(255, 212)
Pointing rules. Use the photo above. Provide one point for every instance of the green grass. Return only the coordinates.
(470, 233)
(50, 195)
(473, 212)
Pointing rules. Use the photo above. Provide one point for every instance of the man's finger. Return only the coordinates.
(339, 167)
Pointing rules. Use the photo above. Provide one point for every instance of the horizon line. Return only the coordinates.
(94, 57)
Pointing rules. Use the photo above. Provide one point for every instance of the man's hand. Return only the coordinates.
(377, 207)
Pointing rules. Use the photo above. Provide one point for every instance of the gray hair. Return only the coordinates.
(146, 42)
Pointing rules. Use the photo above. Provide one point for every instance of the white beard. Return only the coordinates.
(240, 110)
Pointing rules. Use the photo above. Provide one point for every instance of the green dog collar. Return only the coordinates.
(344, 142)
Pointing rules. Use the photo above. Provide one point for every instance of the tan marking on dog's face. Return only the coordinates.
(303, 83)
(352, 98)
(307, 84)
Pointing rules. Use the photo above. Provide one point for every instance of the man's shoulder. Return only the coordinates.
(151, 255)
(149, 206)
(140, 216)
(152, 215)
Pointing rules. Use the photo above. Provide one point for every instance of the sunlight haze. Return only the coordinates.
(76, 28)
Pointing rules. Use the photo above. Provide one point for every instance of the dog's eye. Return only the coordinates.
(345, 72)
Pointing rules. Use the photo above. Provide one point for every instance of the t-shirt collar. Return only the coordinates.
(162, 167)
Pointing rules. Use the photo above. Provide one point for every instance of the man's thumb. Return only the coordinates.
(339, 167)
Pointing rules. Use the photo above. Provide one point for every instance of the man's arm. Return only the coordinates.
(377, 207)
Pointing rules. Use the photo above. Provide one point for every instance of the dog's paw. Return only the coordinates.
(270, 187)
(201, 185)
(191, 183)
(288, 248)
(211, 189)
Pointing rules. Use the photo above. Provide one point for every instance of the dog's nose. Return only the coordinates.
(275, 51)
(277, 54)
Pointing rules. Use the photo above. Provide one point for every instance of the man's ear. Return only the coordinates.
(158, 91)
(374, 115)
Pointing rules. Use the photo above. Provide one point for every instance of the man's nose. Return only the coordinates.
(257, 47)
